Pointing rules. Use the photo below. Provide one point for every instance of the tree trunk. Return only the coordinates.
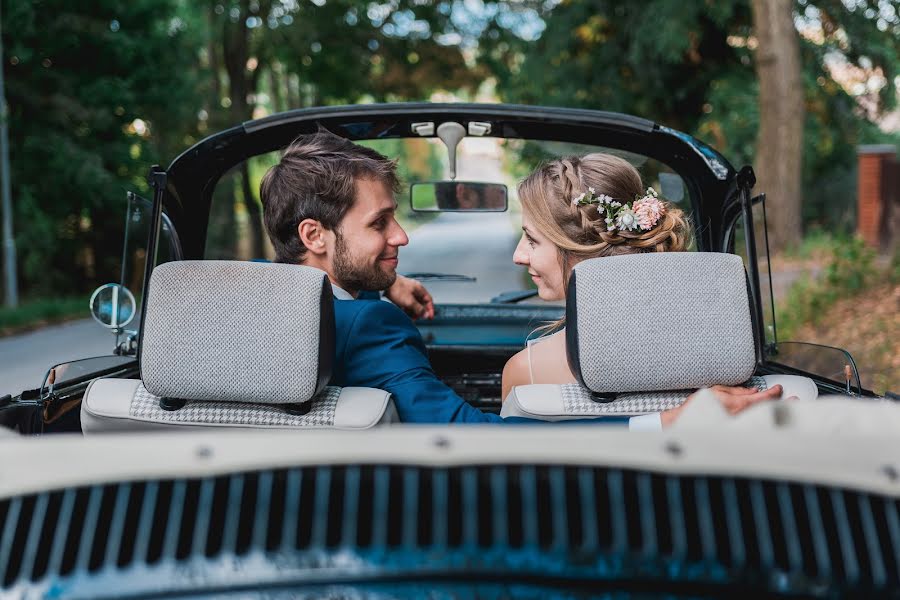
(275, 89)
(293, 94)
(779, 148)
(236, 50)
(213, 51)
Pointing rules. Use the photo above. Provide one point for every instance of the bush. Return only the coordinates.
(42, 311)
(851, 269)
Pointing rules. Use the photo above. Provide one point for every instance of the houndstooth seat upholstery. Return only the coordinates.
(645, 331)
(234, 344)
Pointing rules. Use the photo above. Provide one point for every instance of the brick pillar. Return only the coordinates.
(871, 192)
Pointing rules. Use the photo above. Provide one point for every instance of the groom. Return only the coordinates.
(329, 204)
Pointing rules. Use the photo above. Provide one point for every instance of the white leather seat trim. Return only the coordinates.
(362, 408)
(536, 401)
(544, 401)
(107, 403)
(803, 388)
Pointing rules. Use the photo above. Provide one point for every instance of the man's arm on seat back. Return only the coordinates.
(381, 348)
(384, 350)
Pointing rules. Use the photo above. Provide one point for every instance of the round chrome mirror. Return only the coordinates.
(113, 305)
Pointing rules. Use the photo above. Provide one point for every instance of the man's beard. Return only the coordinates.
(354, 276)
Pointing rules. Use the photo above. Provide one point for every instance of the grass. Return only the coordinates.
(850, 270)
(38, 312)
(851, 304)
(815, 244)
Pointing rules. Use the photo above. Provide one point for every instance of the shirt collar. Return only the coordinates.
(340, 293)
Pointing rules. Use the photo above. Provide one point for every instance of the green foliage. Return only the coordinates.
(41, 312)
(79, 75)
(77, 78)
(690, 65)
(850, 271)
(817, 243)
(268, 56)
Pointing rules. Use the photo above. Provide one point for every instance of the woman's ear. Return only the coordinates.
(312, 234)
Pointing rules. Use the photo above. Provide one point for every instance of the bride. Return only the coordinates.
(577, 208)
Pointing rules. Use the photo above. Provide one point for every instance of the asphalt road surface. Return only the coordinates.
(477, 245)
(25, 359)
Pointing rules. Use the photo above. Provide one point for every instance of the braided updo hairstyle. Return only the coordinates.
(579, 232)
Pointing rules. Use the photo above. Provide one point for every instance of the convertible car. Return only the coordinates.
(207, 454)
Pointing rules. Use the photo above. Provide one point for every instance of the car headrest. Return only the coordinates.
(237, 331)
(659, 321)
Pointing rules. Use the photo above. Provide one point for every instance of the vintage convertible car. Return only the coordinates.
(245, 477)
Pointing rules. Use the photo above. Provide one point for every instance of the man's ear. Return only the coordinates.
(312, 234)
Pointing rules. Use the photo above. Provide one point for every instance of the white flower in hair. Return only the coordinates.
(578, 199)
(626, 220)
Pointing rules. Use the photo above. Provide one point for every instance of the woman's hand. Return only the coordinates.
(733, 399)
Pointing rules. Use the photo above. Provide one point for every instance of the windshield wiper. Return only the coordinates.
(513, 296)
(439, 277)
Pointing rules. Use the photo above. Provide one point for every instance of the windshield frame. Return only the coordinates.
(192, 176)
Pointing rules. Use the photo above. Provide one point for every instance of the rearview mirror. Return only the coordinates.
(459, 196)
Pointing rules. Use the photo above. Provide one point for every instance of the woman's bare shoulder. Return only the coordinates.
(515, 372)
(549, 360)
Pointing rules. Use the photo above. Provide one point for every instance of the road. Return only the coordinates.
(477, 245)
(25, 358)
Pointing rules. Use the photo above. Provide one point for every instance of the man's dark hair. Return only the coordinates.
(316, 179)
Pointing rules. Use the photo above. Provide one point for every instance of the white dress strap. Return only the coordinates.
(528, 344)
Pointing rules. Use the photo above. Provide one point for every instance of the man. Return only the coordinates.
(330, 204)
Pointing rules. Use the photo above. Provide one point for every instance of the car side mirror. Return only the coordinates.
(113, 306)
(458, 196)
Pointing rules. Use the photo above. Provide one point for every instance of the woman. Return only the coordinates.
(577, 208)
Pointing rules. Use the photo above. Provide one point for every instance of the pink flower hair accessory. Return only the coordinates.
(643, 213)
(648, 210)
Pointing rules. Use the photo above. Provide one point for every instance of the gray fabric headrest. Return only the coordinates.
(659, 321)
(237, 331)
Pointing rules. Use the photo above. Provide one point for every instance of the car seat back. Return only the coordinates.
(234, 344)
(644, 331)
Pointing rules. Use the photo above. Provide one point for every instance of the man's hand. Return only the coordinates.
(412, 297)
(732, 399)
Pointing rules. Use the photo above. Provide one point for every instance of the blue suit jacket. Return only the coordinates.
(378, 346)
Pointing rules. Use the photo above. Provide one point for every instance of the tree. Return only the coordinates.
(95, 95)
(277, 54)
(780, 147)
(691, 65)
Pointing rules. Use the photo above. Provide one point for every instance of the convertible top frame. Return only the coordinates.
(193, 175)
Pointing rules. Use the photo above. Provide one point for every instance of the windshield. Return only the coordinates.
(463, 258)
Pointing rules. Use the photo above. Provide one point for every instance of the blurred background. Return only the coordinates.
(804, 90)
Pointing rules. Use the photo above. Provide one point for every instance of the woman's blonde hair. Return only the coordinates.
(579, 232)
